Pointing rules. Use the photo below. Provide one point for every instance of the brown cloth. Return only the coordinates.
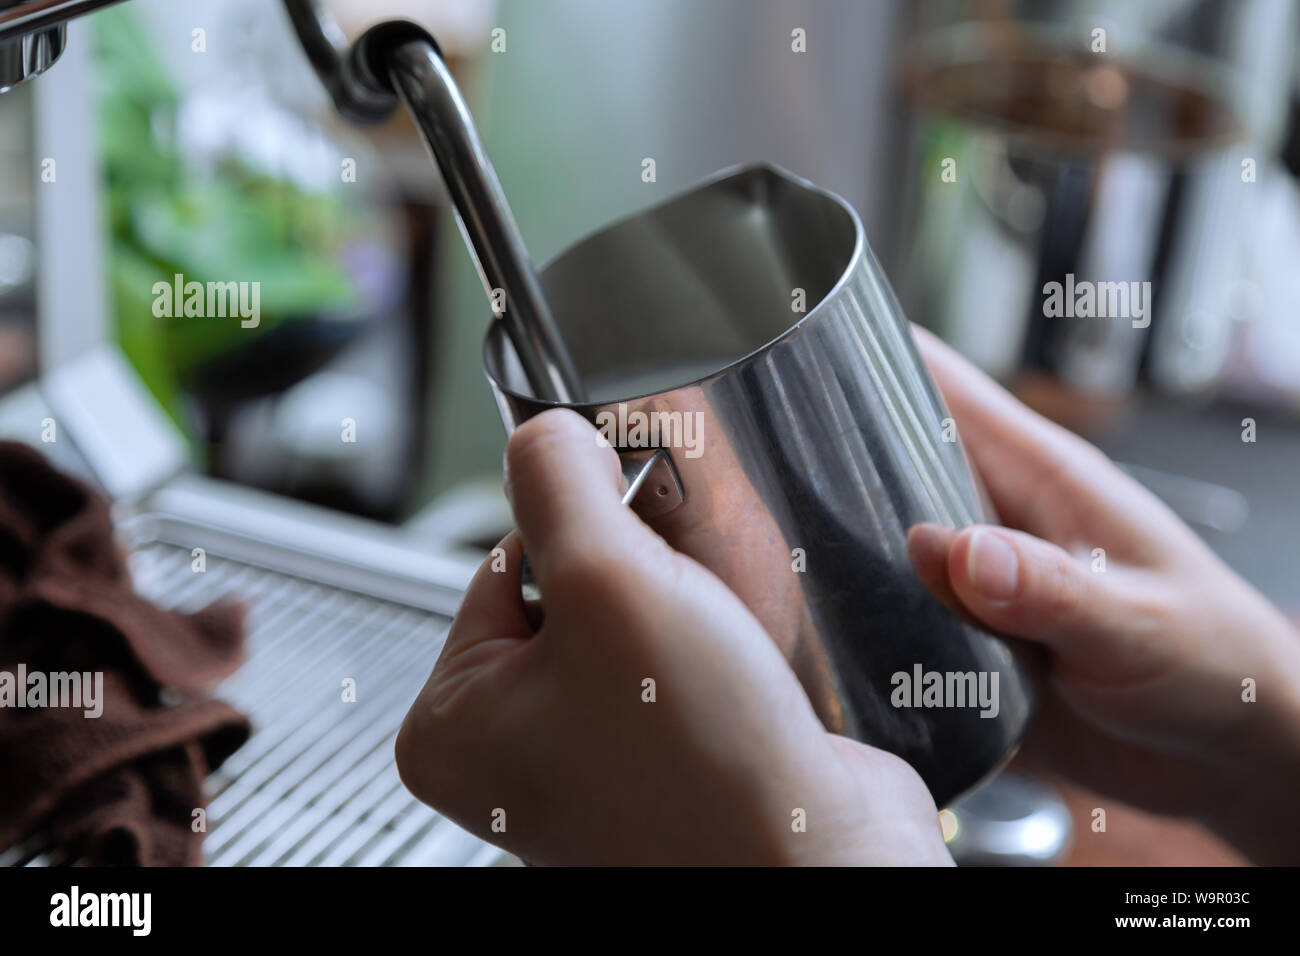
(121, 788)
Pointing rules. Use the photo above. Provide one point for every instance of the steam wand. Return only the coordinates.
(398, 61)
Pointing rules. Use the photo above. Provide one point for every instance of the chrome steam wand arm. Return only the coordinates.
(397, 62)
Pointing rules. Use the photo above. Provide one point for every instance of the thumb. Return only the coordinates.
(1026, 587)
(564, 485)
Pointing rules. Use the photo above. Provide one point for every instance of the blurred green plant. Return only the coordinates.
(228, 223)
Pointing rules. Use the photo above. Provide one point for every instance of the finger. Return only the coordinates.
(1027, 462)
(565, 488)
(492, 607)
(927, 547)
(997, 428)
(1025, 587)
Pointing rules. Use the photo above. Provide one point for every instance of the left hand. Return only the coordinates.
(549, 734)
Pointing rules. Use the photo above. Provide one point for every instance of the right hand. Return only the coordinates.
(1144, 696)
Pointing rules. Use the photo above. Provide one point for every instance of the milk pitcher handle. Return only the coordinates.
(653, 489)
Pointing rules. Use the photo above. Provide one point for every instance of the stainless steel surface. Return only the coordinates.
(1011, 821)
(308, 541)
(28, 53)
(33, 34)
(356, 94)
(29, 56)
(20, 17)
(653, 488)
(822, 435)
(427, 88)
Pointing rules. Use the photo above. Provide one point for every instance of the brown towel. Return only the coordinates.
(121, 788)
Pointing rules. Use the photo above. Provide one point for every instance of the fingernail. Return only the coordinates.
(993, 566)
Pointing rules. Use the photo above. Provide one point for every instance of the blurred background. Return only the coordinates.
(990, 146)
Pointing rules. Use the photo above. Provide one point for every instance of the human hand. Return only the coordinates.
(1144, 696)
(553, 727)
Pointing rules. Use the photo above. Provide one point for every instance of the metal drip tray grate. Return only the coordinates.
(316, 784)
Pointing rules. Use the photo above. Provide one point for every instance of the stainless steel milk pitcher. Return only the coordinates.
(818, 441)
